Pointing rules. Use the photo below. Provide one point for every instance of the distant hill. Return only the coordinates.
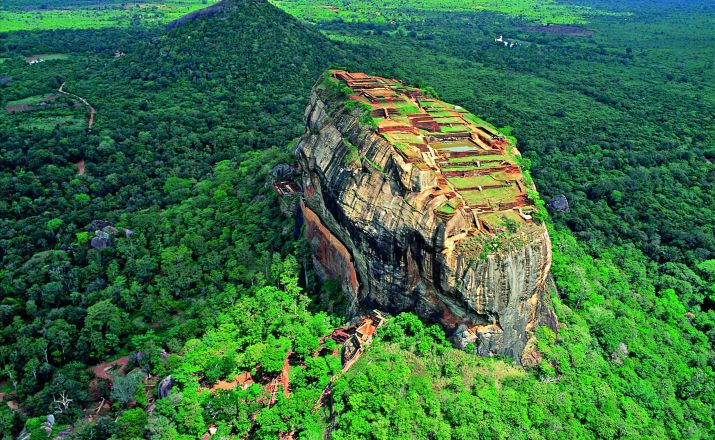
(222, 6)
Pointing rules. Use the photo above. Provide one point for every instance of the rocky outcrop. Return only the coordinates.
(374, 222)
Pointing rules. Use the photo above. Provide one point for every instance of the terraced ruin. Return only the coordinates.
(476, 167)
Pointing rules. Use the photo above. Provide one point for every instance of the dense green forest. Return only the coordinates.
(206, 278)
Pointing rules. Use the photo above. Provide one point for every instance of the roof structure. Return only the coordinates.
(286, 188)
(476, 166)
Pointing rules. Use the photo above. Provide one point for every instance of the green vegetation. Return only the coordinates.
(447, 209)
(28, 100)
(189, 124)
(352, 157)
(377, 167)
(86, 15)
(49, 123)
(548, 11)
(47, 57)
(618, 363)
(474, 181)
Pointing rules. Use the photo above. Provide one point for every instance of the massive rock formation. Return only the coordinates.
(416, 205)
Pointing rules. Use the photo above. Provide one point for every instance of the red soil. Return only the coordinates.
(102, 370)
(244, 380)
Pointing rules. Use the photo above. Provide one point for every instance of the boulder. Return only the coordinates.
(282, 172)
(559, 204)
(98, 225)
(164, 387)
(101, 240)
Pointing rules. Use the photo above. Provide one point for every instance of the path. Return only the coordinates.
(102, 370)
(281, 380)
(84, 101)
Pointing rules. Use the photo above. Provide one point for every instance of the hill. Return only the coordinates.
(188, 125)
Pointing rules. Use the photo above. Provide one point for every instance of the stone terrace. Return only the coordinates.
(476, 167)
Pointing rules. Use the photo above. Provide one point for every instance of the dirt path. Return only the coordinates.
(102, 370)
(285, 379)
(84, 101)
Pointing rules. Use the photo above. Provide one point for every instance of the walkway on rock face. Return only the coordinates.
(84, 101)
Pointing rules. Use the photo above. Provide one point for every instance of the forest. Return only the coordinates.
(204, 278)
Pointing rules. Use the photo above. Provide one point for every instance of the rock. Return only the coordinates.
(282, 172)
(164, 387)
(66, 433)
(373, 225)
(136, 357)
(531, 357)
(24, 435)
(101, 240)
(620, 354)
(559, 204)
(98, 225)
(110, 230)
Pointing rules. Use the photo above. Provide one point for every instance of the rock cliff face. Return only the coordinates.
(402, 232)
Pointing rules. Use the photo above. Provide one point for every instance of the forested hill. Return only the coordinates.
(188, 126)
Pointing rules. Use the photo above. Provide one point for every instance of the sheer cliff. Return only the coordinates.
(414, 204)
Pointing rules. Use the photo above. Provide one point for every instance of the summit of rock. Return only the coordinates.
(456, 154)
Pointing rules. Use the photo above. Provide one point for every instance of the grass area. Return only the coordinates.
(496, 195)
(407, 150)
(456, 128)
(470, 166)
(29, 100)
(406, 137)
(456, 160)
(440, 114)
(92, 16)
(407, 108)
(476, 120)
(471, 182)
(447, 119)
(48, 123)
(447, 209)
(47, 57)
